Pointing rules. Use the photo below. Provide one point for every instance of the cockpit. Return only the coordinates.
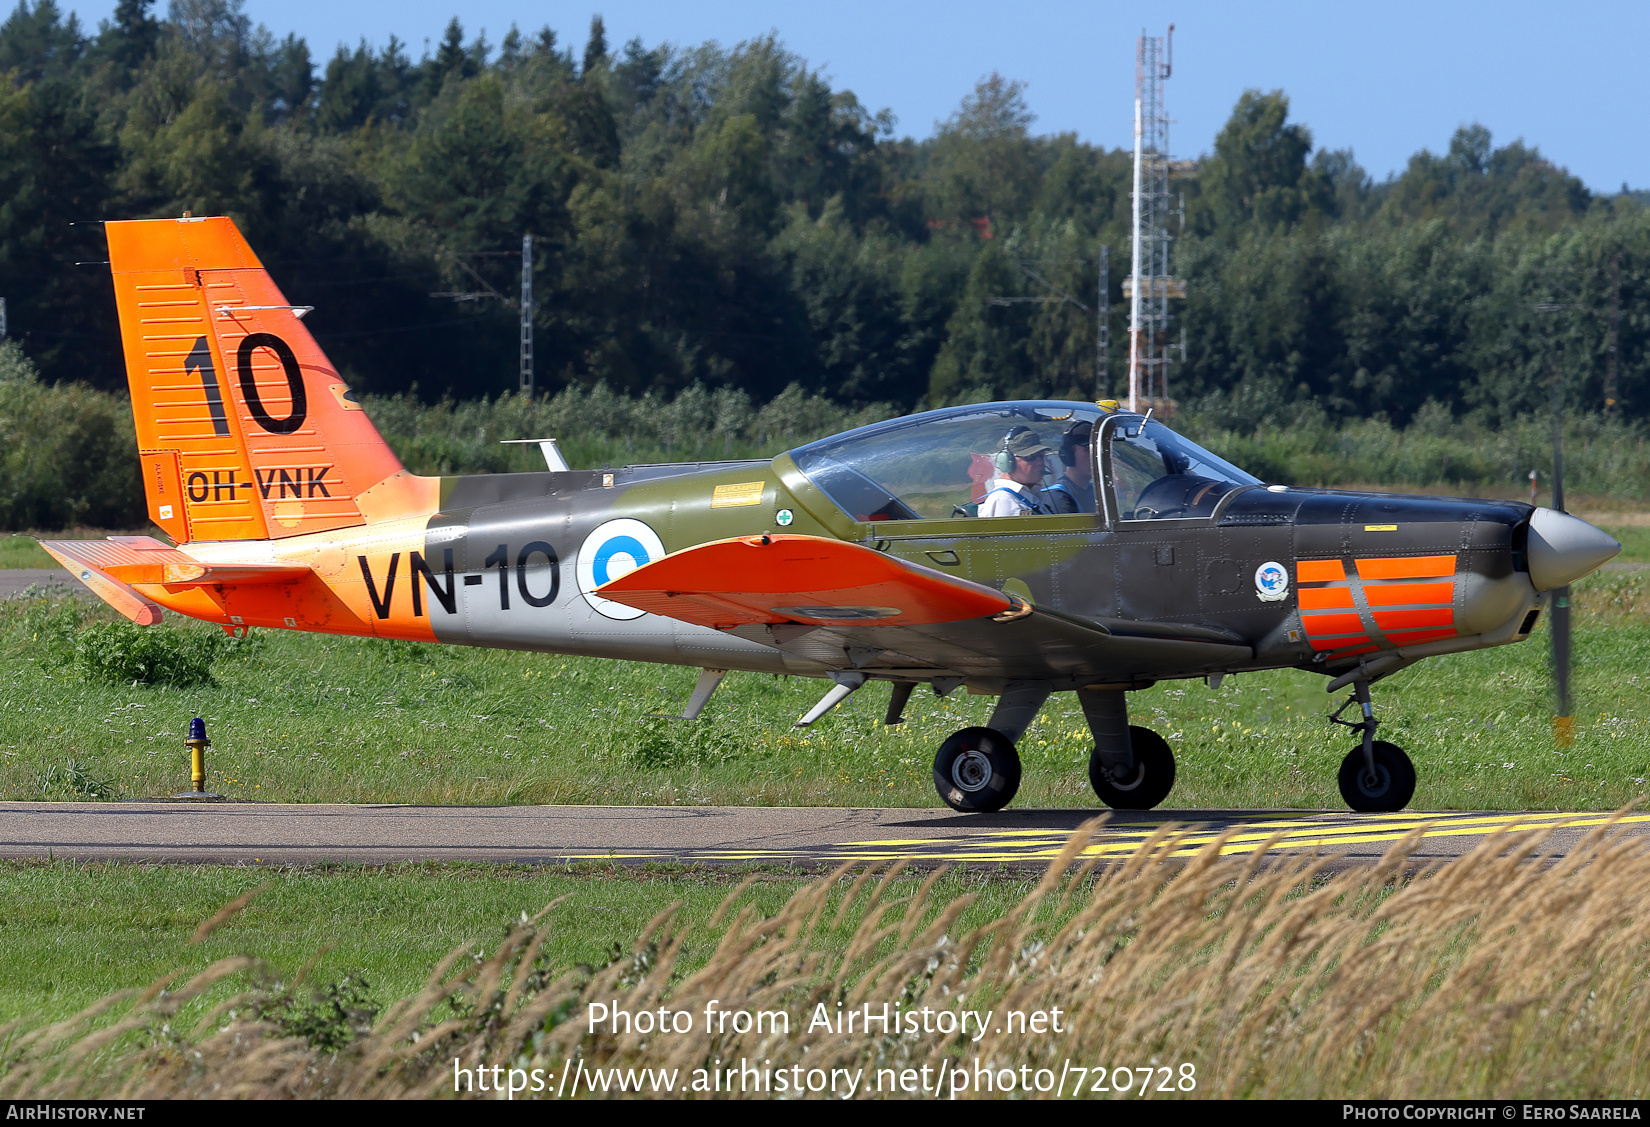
(941, 464)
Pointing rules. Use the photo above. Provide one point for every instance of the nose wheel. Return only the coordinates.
(1383, 788)
(1376, 777)
(977, 771)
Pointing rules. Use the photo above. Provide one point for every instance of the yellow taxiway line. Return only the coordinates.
(1310, 831)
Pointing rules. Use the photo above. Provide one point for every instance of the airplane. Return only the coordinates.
(860, 557)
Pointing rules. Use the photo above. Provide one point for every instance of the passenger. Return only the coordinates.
(1074, 492)
(1021, 463)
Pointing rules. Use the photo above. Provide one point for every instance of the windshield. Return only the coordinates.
(1157, 474)
(936, 465)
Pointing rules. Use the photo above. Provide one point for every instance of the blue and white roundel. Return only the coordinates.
(614, 549)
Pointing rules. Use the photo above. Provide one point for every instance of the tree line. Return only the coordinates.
(727, 219)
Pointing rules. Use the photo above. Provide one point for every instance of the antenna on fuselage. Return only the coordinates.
(553, 459)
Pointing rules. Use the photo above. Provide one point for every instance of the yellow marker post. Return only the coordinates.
(197, 743)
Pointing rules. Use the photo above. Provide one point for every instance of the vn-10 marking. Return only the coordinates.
(915, 551)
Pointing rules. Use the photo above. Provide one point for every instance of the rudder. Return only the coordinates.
(245, 429)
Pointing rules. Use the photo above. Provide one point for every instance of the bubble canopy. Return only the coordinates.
(937, 464)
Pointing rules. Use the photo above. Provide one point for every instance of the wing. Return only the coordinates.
(848, 606)
(753, 580)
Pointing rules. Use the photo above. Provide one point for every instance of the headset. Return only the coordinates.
(1069, 440)
(1003, 460)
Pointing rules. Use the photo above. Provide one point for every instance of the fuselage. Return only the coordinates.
(513, 560)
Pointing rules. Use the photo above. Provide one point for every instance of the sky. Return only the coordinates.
(1383, 79)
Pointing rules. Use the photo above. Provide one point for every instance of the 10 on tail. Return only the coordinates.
(245, 429)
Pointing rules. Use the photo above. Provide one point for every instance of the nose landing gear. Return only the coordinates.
(1376, 777)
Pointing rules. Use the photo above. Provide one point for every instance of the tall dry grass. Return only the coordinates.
(1511, 972)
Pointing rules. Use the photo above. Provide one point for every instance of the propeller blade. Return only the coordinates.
(1563, 731)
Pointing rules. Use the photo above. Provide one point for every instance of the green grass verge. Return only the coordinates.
(17, 550)
(1635, 542)
(308, 718)
(71, 933)
(303, 718)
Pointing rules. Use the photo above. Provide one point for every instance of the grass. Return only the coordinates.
(71, 933)
(1489, 977)
(18, 550)
(1635, 542)
(308, 718)
(303, 718)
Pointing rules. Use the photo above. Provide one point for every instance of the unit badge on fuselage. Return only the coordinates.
(1272, 582)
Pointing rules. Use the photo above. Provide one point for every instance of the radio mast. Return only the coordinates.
(1150, 285)
(525, 383)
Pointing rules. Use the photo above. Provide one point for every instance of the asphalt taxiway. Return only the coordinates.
(270, 833)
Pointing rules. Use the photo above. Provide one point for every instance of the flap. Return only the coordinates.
(753, 580)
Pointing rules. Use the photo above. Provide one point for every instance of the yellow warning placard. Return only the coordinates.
(732, 496)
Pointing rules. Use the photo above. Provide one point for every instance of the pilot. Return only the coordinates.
(1021, 462)
(1074, 491)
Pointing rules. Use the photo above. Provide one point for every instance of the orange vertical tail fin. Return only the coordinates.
(245, 429)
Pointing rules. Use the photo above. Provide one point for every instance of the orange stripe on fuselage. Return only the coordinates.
(1408, 594)
(1429, 614)
(1389, 620)
(1326, 598)
(1407, 567)
(1318, 625)
(1345, 647)
(1414, 637)
(1319, 571)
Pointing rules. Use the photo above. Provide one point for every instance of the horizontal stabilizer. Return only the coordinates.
(112, 567)
(144, 612)
(753, 580)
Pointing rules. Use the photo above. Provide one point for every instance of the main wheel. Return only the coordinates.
(1391, 788)
(977, 771)
(1148, 784)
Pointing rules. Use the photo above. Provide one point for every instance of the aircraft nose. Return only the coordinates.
(1562, 548)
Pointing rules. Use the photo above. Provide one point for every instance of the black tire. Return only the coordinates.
(1393, 786)
(1153, 777)
(977, 771)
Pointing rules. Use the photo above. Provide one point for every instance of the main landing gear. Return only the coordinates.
(977, 770)
(1130, 768)
(1376, 777)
